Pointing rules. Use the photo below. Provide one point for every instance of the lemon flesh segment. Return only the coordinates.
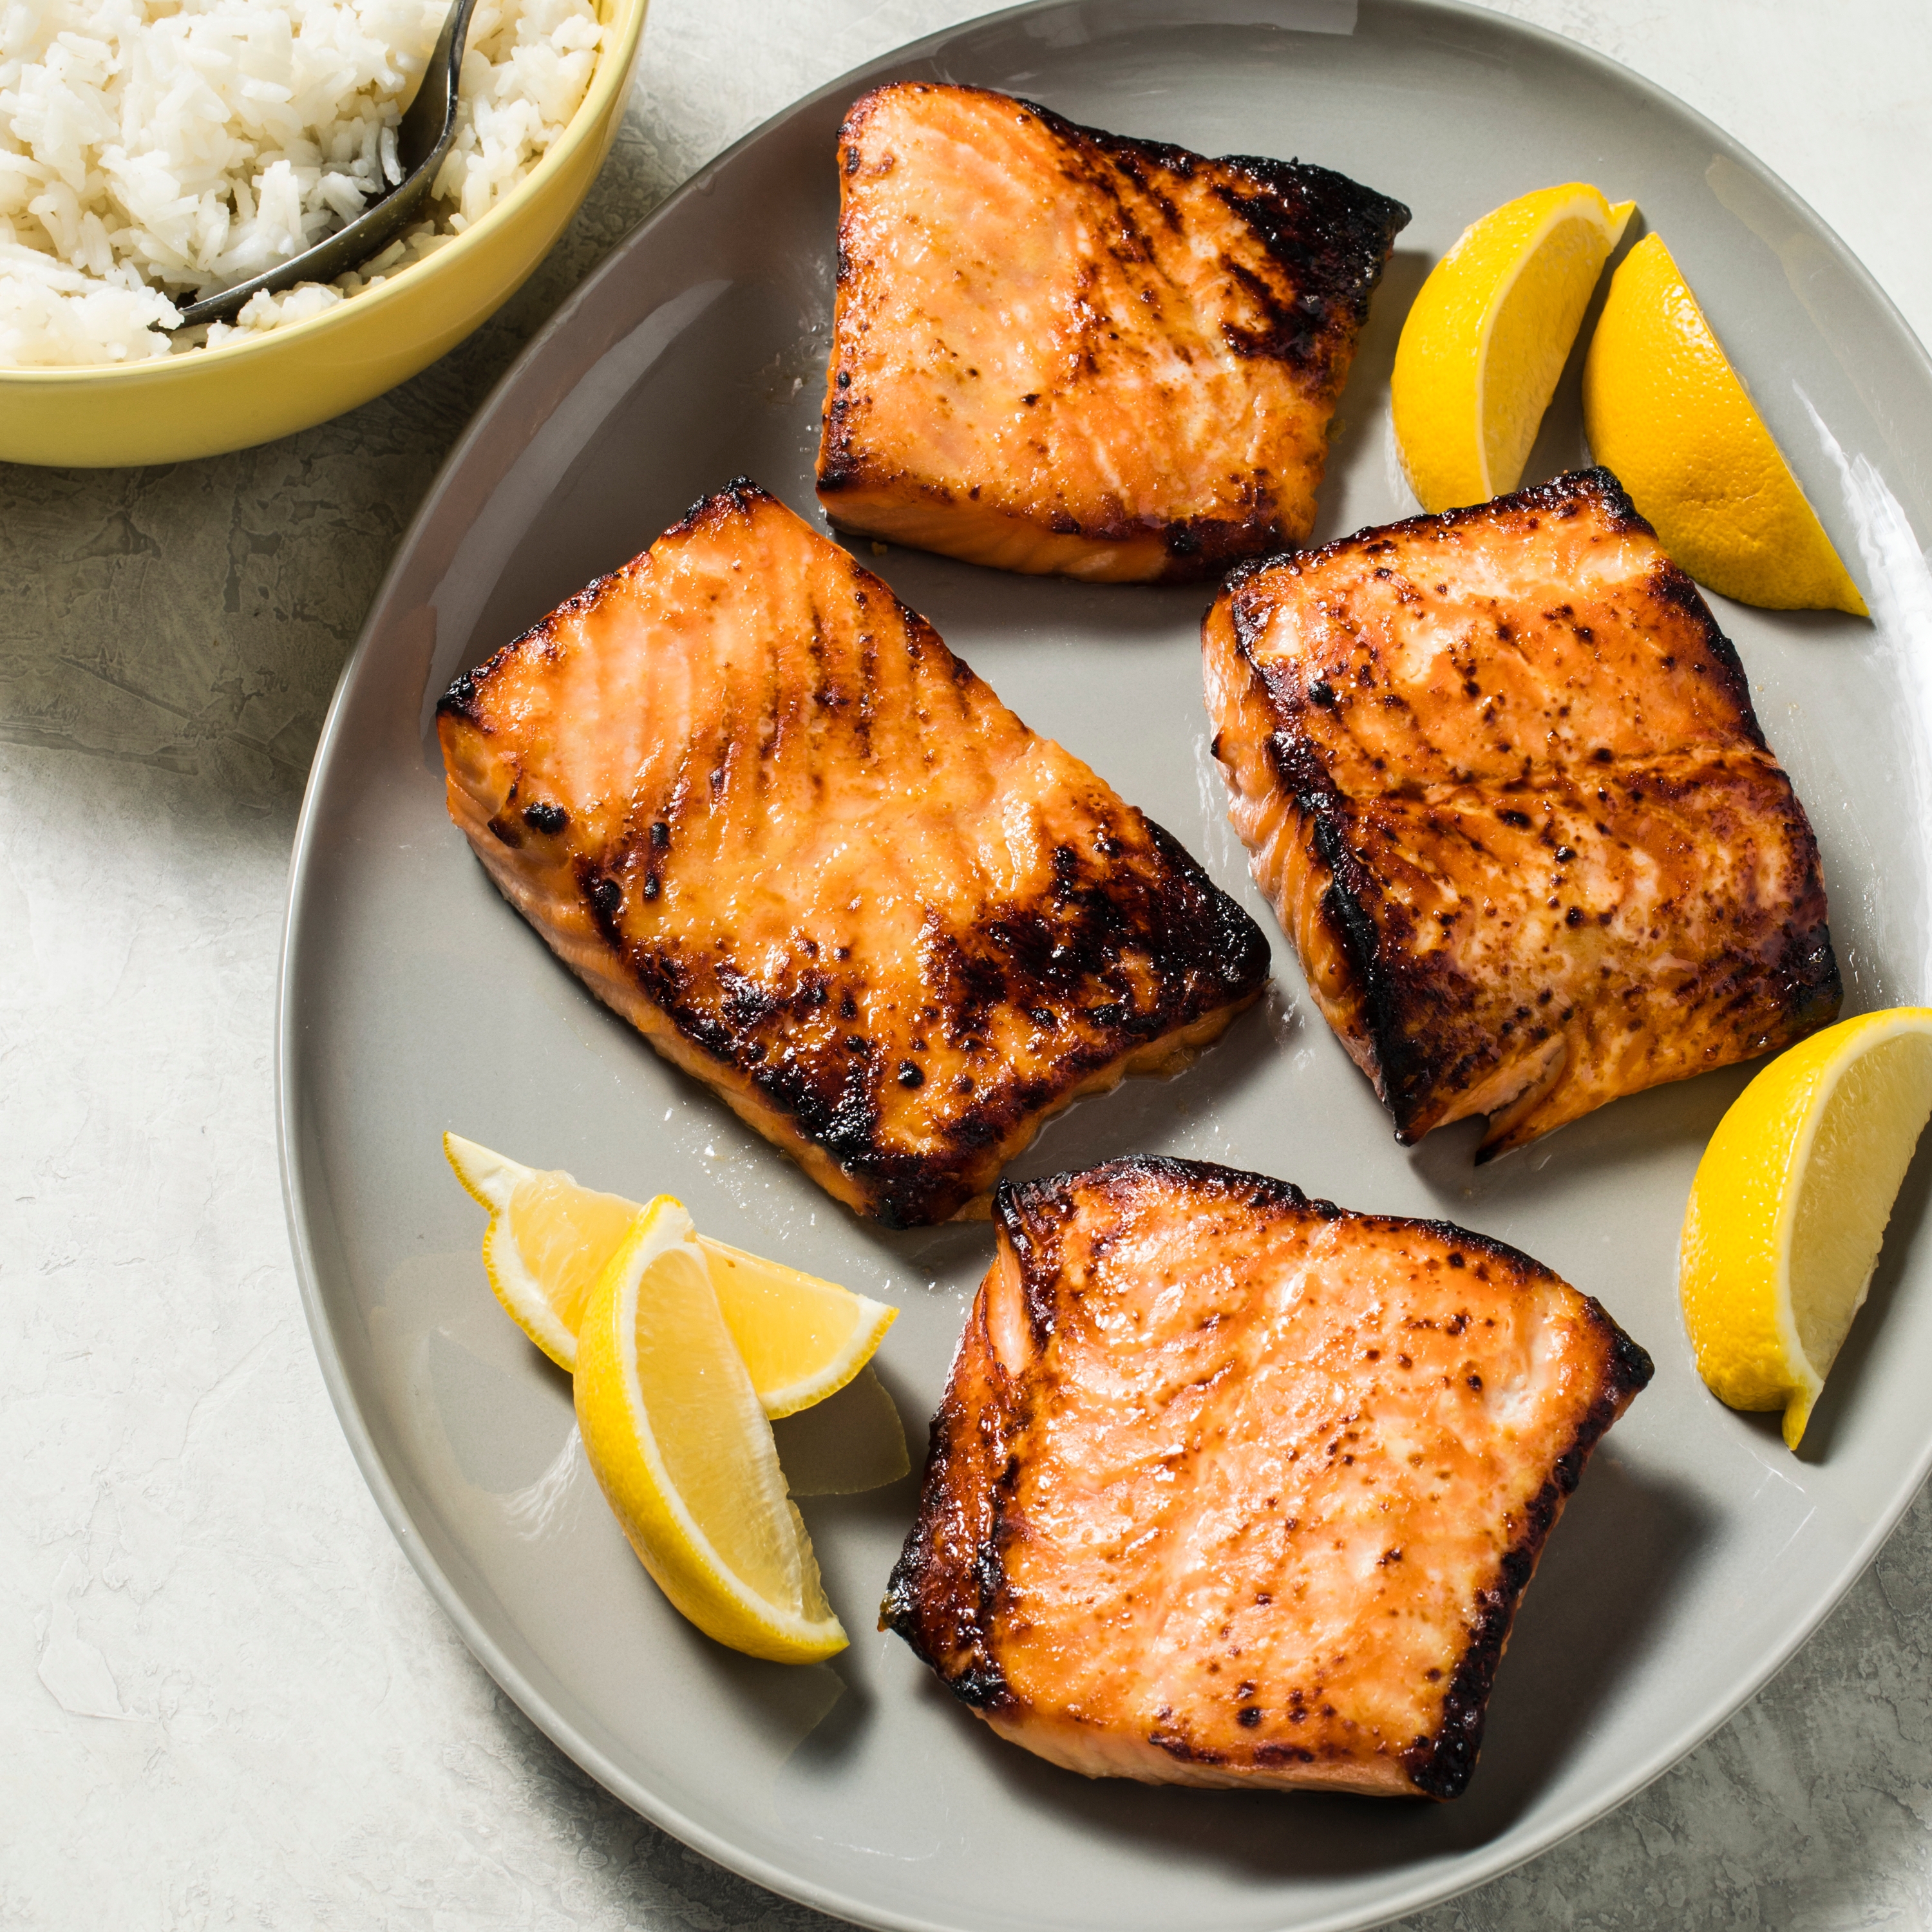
(549, 1238)
(547, 1241)
(1665, 412)
(802, 1339)
(1788, 1211)
(675, 1434)
(1487, 338)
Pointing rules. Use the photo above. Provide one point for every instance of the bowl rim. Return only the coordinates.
(623, 25)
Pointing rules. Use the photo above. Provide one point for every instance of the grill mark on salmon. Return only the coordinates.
(1232, 1487)
(765, 814)
(1060, 350)
(1500, 778)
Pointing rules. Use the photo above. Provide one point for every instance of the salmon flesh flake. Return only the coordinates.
(1055, 349)
(1500, 776)
(765, 815)
(1231, 1487)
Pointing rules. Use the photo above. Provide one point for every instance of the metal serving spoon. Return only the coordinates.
(423, 138)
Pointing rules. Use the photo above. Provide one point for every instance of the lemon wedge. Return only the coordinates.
(548, 1240)
(1789, 1208)
(1664, 409)
(546, 1244)
(1487, 337)
(802, 1338)
(674, 1433)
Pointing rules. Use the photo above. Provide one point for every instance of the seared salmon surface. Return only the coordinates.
(1055, 349)
(1500, 778)
(1233, 1487)
(767, 816)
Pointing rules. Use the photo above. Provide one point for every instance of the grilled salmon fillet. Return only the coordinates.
(765, 814)
(1057, 350)
(1500, 778)
(1231, 1487)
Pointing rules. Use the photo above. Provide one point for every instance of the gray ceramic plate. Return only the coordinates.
(1698, 1553)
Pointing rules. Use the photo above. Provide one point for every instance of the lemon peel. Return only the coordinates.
(1788, 1211)
(674, 1433)
(1487, 336)
(1665, 412)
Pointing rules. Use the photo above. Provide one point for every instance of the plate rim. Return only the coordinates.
(1428, 1886)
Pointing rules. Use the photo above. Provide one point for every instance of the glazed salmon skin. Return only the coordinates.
(1231, 1487)
(1056, 350)
(1501, 779)
(756, 804)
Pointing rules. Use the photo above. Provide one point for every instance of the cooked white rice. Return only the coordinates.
(156, 149)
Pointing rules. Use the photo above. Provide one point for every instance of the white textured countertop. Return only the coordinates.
(225, 1698)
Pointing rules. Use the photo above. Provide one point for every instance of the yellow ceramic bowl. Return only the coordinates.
(173, 408)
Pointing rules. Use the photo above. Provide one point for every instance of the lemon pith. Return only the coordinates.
(549, 1239)
(1487, 338)
(1789, 1208)
(1664, 410)
(674, 1433)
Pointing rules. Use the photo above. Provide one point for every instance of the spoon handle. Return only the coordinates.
(423, 139)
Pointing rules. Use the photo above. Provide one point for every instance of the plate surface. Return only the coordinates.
(1697, 1553)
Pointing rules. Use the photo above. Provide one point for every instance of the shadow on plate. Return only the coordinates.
(1361, 427)
(998, 613)
(841, 1733)
(1585, 1621)
(1637, 1129)
(851, 1444)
